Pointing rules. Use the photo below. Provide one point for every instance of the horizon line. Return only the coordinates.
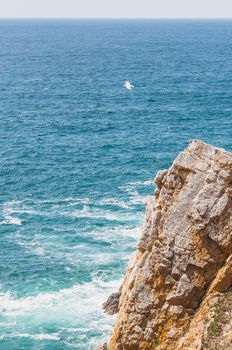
(115, 18)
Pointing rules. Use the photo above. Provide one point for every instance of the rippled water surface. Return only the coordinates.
(79, 152)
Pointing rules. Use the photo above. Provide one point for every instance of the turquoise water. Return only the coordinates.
(79, 153)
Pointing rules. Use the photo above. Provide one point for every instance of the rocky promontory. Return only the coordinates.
(176, 293)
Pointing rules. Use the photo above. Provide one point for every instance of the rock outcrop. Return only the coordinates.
(176, 292)
(111, 305)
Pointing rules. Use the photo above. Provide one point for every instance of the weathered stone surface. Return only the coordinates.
(211, 327)
(111, 305)
(180, 269)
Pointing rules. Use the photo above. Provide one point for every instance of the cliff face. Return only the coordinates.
(175, 294)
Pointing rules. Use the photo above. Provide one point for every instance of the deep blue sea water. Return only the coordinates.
(79, 153)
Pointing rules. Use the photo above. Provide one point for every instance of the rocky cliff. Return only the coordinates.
(176, 292)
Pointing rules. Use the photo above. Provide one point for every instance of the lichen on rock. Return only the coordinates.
(182, 265)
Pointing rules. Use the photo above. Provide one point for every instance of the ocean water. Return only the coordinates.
(79, 153)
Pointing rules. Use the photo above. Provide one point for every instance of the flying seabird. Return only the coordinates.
(128, 85)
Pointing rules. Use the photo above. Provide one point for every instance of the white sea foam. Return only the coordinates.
(46, 336)
(68, 305)
(7, 212)
(61, 207)
(49, 246)
(39, 251)
(133, 232)
(40, 336)
(138, 199)
(13, 221)
(117, 232)
(10, 208)
(68, 200)
(135, 197)
(114, 202)
(8, 324)
(141, 183)
(132, 188)
(75, 346)
(34, 246)
(87, 210)
(97, 213)
(69, 309)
